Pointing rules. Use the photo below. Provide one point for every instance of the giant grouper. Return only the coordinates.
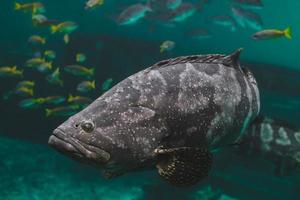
(170, 116)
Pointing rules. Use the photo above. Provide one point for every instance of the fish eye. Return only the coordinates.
(88, 126)
(76, 125)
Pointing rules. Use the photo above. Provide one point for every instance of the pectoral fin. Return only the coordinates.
(183, 166)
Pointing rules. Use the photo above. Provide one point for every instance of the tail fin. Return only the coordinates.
(148, 5)
(288, 33)
(56, 71)
(54, 29)
(61, 83)
(70, 98)
(48, 112)
(31, 92)
(50, 65)
(18, 6)
(92, 71)
(93, 84)
(161, 49)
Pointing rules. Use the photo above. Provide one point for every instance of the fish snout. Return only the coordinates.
(59, 141)
(76, 148)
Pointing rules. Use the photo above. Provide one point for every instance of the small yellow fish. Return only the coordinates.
(63, 111)
(79, 100)
(31, 103)
(273, 33)
(50, 54)
(64, 27)
(167, 45)
(35, 7)
(23, 91)
(80, 57)
(27, 84)
(36, 39)
(40, 64)
(93, 3)
(34, 62)
(10, 72)
(54, 78)
(86, 86)
(55, 99)
(44, 67)
(78, 70)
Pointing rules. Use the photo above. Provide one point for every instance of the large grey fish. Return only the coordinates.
(170, 115)
(273, 140)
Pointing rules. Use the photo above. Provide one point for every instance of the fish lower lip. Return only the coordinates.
(70, 145)
(63, 146)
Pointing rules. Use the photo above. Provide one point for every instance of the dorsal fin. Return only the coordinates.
(230, 60)
(233, 59)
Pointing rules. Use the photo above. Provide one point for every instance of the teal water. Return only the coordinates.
(30, 169)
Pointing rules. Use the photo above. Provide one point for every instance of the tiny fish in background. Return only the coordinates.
(249, 4)
(133, 14)
(27, 84)
(34, 62)
(173, 4)
(39, 64)
(79, 100)
(55, 100)
(86, 86)
(106, 85)
(80, 71)
(24, 91)
(273, 33)
(50, 54)
(198, 34)
(224, 21)
(34, 8)
(183, 12)
(31, 103)
(63, 111)
(43, 21)
(245, 17)
(90, 4)
(44, 67)
(36, 40)
(64, 27)
(11, 72)
(167, 45)
(54, 78)
(38, 19)
(80, 57)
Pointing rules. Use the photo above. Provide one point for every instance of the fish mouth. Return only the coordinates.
(77, 149)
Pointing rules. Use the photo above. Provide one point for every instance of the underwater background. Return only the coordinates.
(30, 169)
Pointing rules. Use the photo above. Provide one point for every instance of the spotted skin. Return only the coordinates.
(273, 140)
(202, 101)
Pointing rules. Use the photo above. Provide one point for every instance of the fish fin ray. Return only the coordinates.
(288, 32)
(183, 166)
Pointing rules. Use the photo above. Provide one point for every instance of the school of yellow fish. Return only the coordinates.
(175, 11)
(56, 105)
